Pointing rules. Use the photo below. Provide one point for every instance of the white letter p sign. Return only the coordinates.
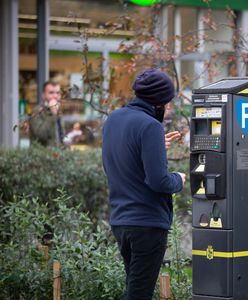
(244, 114)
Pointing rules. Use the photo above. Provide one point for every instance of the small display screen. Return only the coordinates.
(216, 127)
(208, 112)
(201, 127)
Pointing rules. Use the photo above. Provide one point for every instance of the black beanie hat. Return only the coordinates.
(154, 87)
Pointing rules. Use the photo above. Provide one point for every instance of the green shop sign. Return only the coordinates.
(144, 2)
(217, 4)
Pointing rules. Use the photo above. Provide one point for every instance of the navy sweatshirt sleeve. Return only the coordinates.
(154, 159)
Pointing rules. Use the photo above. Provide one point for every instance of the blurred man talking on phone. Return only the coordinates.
(45, 124)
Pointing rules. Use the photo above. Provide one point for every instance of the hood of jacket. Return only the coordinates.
(138, 104)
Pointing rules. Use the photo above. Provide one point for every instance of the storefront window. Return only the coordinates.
(92, 20)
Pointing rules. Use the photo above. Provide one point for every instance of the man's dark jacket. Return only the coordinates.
(134, 159)
(45, 127)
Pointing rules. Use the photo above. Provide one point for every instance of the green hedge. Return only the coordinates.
(184, 200)
(91, 267)
(39, 172)
(90, 264)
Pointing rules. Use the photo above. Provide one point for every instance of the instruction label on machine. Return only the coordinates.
(208, 112)
(217, 98)
(242, 159)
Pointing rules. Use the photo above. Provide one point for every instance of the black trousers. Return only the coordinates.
(142, 249)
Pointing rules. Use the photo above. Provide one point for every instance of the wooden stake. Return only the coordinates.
(56, 281)
(164, 281)
(44, 250)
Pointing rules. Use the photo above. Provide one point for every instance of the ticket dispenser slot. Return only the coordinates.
(211, 184)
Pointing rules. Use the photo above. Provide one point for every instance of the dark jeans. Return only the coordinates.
(142, 249)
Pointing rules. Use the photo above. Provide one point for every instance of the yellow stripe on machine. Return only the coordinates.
(219, 254)
(199, 252)
(240, 254)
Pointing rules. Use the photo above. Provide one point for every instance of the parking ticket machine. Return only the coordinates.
(219, 187)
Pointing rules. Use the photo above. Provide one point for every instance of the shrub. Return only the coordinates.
(181, 287)
(89, 256)
(91, 266)
(183, 200)
(40, 172)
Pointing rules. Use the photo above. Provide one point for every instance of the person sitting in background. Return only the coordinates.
(45, 124)
(73, 136)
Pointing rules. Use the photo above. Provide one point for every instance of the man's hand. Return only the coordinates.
(183, 176)
(54, 106)
(171, 136)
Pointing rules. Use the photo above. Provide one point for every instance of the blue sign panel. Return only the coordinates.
(242, 114)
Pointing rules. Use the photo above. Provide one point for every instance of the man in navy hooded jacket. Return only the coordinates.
(140, 185)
